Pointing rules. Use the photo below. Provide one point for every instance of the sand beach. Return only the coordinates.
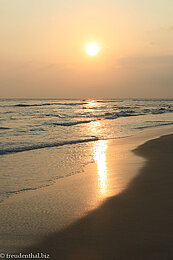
(118, 208)
(135, 224)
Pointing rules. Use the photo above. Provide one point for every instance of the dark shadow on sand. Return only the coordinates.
(135, 225)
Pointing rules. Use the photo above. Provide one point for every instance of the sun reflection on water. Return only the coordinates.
(100, 159)
(92, 104)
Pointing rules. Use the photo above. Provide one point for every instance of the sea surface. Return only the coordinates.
(30, 127)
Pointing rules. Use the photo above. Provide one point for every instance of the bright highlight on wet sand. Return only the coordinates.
(92, 49)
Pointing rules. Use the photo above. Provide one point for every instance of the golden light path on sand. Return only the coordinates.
(100, 159)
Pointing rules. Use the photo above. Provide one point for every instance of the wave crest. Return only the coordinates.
(45, 145)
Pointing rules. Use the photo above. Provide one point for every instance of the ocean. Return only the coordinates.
(28, 127)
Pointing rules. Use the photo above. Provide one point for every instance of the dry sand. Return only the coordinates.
(136, 224)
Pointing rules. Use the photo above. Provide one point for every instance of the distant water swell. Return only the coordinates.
(106, 116)
(50, 104)
(45, 145)
(114, 103)
(4, 128)
(119, 111)
(72, 123)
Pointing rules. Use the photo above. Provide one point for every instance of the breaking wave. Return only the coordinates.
(45, 145)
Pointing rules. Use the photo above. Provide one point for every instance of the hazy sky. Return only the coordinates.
(42, 48)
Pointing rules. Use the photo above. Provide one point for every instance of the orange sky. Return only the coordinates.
(43, 52)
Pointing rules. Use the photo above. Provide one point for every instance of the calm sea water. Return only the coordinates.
(29, 128)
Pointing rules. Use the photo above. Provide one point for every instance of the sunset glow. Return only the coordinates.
(106, 49)
(92, 49)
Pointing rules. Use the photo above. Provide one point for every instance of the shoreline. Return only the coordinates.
(146, 134)
(32, 214)
(135, 224)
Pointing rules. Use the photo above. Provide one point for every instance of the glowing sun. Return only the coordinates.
(92, 49)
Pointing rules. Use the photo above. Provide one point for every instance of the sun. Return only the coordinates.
(92, 49)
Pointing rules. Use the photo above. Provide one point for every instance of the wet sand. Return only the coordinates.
(135, 224)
